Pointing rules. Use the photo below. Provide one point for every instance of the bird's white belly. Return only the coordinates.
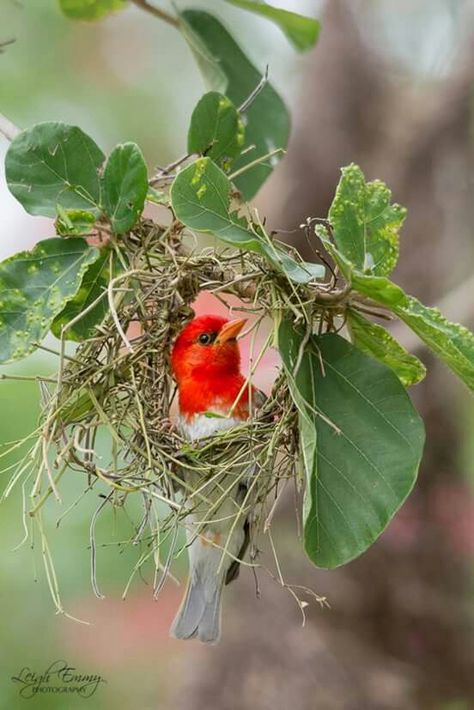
(200, 426)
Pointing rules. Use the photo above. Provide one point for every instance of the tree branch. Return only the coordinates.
(8, 129)
(161, 14)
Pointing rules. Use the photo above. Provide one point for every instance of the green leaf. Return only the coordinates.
(302, 31)
(216, 129)
(375, 340)
(369, 444)
(51, 164)
(74, 223)
(380, 289)
(226, 69)
(34, 287)
(200, 196)
(94, 284)
(125, 186)
(452, 342)
(89, 9)
(365, 224)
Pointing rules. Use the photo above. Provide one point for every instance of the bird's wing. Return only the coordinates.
(259, 399)
(234, 569)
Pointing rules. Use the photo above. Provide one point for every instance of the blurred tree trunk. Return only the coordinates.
(399, 634)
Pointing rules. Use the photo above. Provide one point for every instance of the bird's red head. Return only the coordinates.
(207, 347)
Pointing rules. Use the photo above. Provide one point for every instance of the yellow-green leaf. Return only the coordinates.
(34, 287)
(90, 9)
(375, 340)
(365, 224)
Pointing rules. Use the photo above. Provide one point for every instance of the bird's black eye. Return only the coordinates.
(207, 338)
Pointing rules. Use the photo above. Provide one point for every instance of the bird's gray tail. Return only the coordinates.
(200, 613)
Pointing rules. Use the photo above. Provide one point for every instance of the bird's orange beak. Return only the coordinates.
(230, 330)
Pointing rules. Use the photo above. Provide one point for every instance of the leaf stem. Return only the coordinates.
(255, 162)
(161, 14)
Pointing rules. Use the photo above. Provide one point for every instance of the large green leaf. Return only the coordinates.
(94, 284)
(375, 340)
(51, 164)
(369, 444)
(365, 224)
(216, 128)
(226, 69)
(301, 31)
(125, 186)
(452, 342)
(34, 287)
(200, 196)
(301, 382)
(89, 9)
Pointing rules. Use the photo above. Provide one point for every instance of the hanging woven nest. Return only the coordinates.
(108, 417)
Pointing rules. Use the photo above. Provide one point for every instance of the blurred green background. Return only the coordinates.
(381, 74)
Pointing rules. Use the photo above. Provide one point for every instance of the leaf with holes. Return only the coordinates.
(200, 196)
(54, 164)
(34, 287)
(365, 224)
(216, 129)
(301, 31)
(125, 186)
(369, 444)
(90, 9)
(227, 69)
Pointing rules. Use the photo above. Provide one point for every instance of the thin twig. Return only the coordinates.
(258, 90)
(257, 161)
(160, 14)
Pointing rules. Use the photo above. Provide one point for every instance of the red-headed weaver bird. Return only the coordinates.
(206, 365)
